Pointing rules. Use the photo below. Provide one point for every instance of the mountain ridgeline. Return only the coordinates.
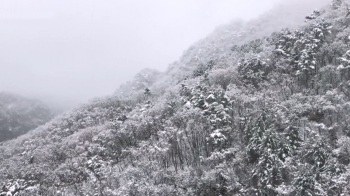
(250, 110)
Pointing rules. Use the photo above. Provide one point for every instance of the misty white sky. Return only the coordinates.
(74, 50)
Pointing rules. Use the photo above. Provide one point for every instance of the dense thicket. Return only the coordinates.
(268, 117)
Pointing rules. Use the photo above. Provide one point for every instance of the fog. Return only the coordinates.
(67, 52)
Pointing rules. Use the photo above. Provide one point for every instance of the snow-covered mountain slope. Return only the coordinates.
(266, 114)
(216, 48)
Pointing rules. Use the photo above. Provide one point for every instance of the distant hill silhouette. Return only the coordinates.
(18, 115)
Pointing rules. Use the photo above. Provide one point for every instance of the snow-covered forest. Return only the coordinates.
(256, 108)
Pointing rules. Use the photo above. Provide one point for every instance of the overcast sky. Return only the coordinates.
(74, 50)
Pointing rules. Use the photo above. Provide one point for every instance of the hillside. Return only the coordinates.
(254, 109)
(18, 115)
